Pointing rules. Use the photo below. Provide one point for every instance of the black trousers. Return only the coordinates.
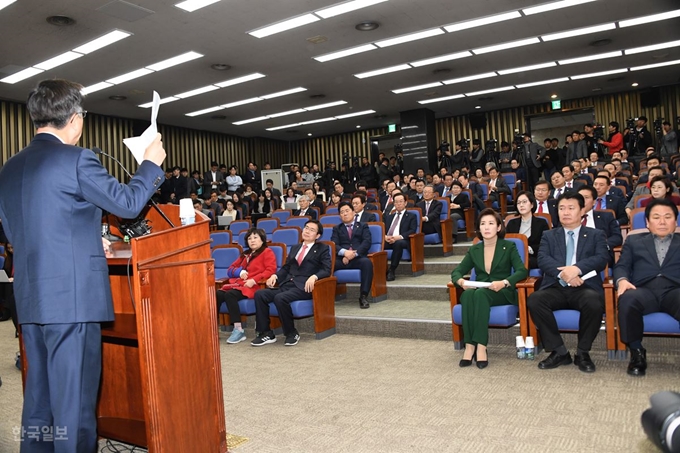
(534, 174)
(584, 299)
(231, 298)
(397, 248)
(282, 296)
(659, 295)
(365, 269)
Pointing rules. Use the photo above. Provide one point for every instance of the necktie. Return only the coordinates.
(570, 247)
(356, 218)
(540, 207)
(301, 255)
(584, 220)
(427, 208)
(558, 193)
(599, 204)
(395, 222)
(349, 230)
(444, 192)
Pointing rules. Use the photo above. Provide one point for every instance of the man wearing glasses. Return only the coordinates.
(306, 263)
(61, 285)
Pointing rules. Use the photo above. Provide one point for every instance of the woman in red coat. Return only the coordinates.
(256, 264)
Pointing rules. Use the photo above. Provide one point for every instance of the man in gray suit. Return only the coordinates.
(532, 154)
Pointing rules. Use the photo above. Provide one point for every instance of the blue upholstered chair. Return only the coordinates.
(332, 210)
(470, 214)
(321, 304)
(417, 253)
(330, 220)
(446, 224)
(224, 256)
(297, 221)
(289, 236)
(237, 227)
(220, 238)
(502, 315)
(378, 257)
(268, 225)
(282, 215)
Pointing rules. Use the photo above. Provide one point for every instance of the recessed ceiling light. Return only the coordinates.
(445, 98)
(320, 120)
(174, 61)
(439, 59)
(197, 91)
(598, 74)
(410, 37)
(553, 6)
(286, 113)
(344, 53)
(493, 90)
(283, 127)
(92, 88)
(478, 106)
(204, 111)
(220, 67)
(309, 135)
(396, 68)
(192, 5)
(634, 84)
(284, 25)
(591, 58)
(237, 80)
(527, 68)
(482, 21)
(21, 75)
(367, 25)
(102, 41)
(243, 102)
(59, 21)
(345, 7)
(324, 106)
(664, 45)
(579, 32)
(148, 105)
(553, 96)
(283, 93)
(58, 60)
(543, 82)
(656, 65)
(251, 120)
(486, 75)
(506, 45)
(647, 19)
(117, 97)
(350, 115)
(358, 127)
(129, 76)
(418, 87)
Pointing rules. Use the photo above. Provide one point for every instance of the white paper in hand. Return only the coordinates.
(138, 145)
(476, 284)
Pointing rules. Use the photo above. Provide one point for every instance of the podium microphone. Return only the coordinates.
(97, 150)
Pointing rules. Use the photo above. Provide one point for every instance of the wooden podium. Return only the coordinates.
(161, 384)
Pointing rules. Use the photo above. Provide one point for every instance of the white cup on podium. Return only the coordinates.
(186, 211)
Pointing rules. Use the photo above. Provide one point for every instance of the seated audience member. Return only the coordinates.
(334, 200)
(661, 187)
(291, 196)
(437, 184)
(477, 193)
(261, 206)
(652, 161)
(314, 201)
(601, 220)
(544, 205)
(459, 202)
(198, 206)
(257, 263)
(520, 172)
(231, 211)
(644, 189)
(319, 192)
(271, 200)
(270, 185)
(359, 206)
(644, 285)
(303, 202)
(610, 168)
(497, 185)
(446, 187)
(240, 204)
(306, 263)
(568, 254)
(477, 303)
(431, 209)
(339, 188)
(386, 198)
(608, 201)
(528, 225)
(352, 240)
(400, 225)
(558, 184)
(569, 182)
(211, 203)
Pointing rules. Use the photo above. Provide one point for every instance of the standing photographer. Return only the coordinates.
(642, 138)
(615, 141)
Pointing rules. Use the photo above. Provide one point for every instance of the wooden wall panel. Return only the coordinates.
(318, 150)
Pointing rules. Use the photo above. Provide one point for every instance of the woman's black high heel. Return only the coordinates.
(465, 362)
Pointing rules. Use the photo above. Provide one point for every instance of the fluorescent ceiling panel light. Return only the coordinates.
(283, 26)
(598, 74)
(350, 115)
(543, 82)
(482, 21)
(245, 78)
(197, 91)
(283, 127)
(665, 45)
(103, 41)
(591, 58)
(485, 75)
(418, 87)
(58, 60)
(251, 120)
(445, 98)
(237, 103)
(129, 76)
(345, 53)
(506, 45)
(162, 101)
(193, 5)
(288, 112)
(324, 106)
(320, 120)
(553, 6)
(204, 111)
(283, 93)
(179, 59)
(656, 65)
(648, 19)
(346, 7)
(578, 32)
(439, 59)
(400, 67)
(412, 37)
(95, 87)
(527, 68)
(493, 90)
(21, 75)
(6, 3)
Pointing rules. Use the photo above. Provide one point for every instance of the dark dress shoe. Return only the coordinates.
(481, 364)
(465, 362)
(390, 276)
(638, 362)
(584, 363)
(363, 302)
(554, 360)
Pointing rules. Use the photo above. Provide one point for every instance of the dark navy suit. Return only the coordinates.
(606, 222)
(591, 254)
(360, 243)
(407, 227)
(61, 277)
(433, 224)
(367, 217)
(291, 279)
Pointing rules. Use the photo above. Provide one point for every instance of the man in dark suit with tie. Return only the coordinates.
(497, 185)
(448, 182)
(303, 202)
(569, 181)
(477, 193)
(213, 179)
(315, 201)
(558, 184)
(352, 240)
(306, 263)
(431, 209)
(566, 256)
(601, 220)
(545, 205)
(608, 201)
(359, 206)
(647, 277)
(400, 225)
(61, 284)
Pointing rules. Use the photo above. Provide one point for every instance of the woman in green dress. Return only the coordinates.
(493, 260)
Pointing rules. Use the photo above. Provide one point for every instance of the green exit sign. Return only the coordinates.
(556, 104)
(391, 128)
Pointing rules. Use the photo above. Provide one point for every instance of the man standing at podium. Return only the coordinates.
(61, 280)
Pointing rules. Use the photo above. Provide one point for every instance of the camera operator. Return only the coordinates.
(477, 156)
(330, 175)
(615, 141)
(532, 155)
(384, 170)
(591, 140)
(446, 160)
(459, 159)
(669, 142)
(642, 138)
(368, 173)
(505, 157)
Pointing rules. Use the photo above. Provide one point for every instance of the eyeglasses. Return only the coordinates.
(520, 202)
(82, 113)
(313, 230)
